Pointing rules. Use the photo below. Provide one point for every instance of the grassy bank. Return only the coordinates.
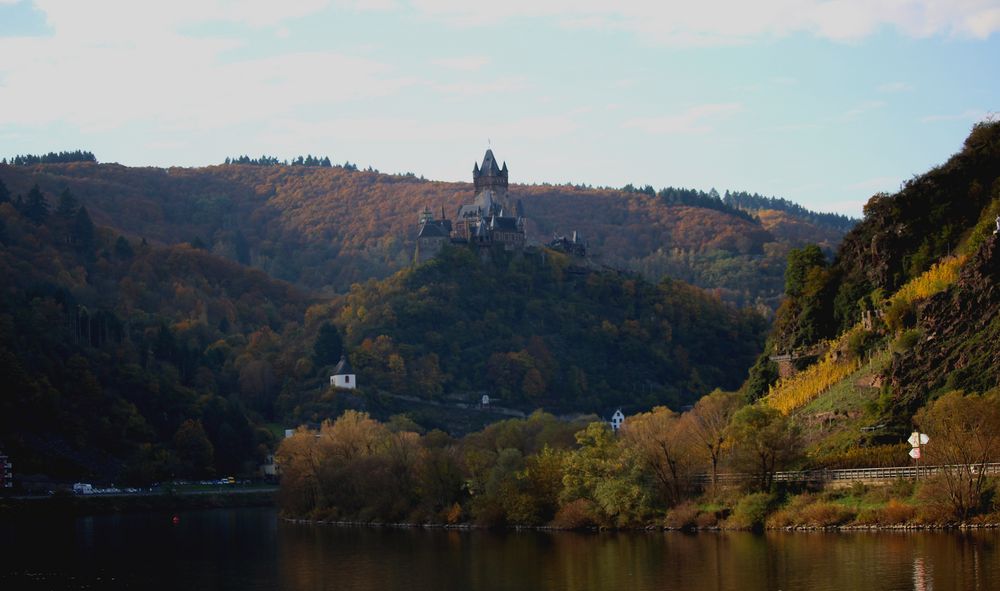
(900, 505)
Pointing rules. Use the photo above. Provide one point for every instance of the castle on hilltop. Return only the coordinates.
(491, 220)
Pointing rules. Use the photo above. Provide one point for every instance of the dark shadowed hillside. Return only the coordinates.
(130, 362)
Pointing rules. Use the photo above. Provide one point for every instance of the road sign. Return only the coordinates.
(915, 453)
(917, 439)
(924, 439)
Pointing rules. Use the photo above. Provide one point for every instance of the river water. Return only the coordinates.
(253, 549)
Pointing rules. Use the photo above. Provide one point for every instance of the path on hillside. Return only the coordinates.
(510, 412)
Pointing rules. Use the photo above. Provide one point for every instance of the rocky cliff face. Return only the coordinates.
(903, 234)
(960, 347)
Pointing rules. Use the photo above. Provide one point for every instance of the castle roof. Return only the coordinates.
(489, 167)
(344, 367)
(433, 229)
(503, 223)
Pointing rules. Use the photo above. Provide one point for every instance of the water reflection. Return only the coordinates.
(328, 557)
(252, 549)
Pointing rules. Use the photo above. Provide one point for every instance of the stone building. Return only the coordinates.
(432, 236)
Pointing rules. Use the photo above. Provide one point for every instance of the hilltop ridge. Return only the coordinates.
(329, 227)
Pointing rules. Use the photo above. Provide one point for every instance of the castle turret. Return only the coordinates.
(489, 175)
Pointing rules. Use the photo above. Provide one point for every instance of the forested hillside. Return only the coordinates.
(132, 361)
(327, 227)
(126, 361)
(537, 332)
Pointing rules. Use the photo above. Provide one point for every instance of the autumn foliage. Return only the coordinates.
(331, 226)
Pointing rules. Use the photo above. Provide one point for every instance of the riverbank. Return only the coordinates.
(654, 528)
(76, 505)
(900, 506)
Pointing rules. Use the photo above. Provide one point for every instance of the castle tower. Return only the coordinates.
(489, 175)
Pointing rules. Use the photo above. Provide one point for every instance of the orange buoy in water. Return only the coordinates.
(175, 519)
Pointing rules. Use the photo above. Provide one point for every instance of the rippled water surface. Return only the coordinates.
(252, 549)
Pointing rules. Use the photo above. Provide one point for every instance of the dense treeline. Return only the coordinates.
(308, 160)
(532, 471)
(536, 331)
(329, 227)
(51, 158)
(127, 362)
(753, 202)
(660, 468)
(692, 197)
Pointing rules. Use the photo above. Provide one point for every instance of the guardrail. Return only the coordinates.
(857, 474)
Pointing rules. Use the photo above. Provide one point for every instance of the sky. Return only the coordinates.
(821, 102)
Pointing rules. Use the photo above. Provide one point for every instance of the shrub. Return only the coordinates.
(454, 514)
(859, 342)
(752, 510)
(900, 314)
(901, 488)
(935, 503)
(324, 514)
(683, 516)
(706, 519)
(808, 510)
(896, 512)
(578, 514)
(907, 340)
(488, 512)
(825, 514)
(783, 517)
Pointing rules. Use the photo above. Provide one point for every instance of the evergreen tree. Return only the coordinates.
(123, 249)
(35, 207)
(67, 205)
(4, 192)
(83, 231)
(328, 347)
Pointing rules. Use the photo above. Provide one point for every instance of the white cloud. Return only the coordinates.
(983, 24)
(99, 73)
(693, 120)
(725, 22)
